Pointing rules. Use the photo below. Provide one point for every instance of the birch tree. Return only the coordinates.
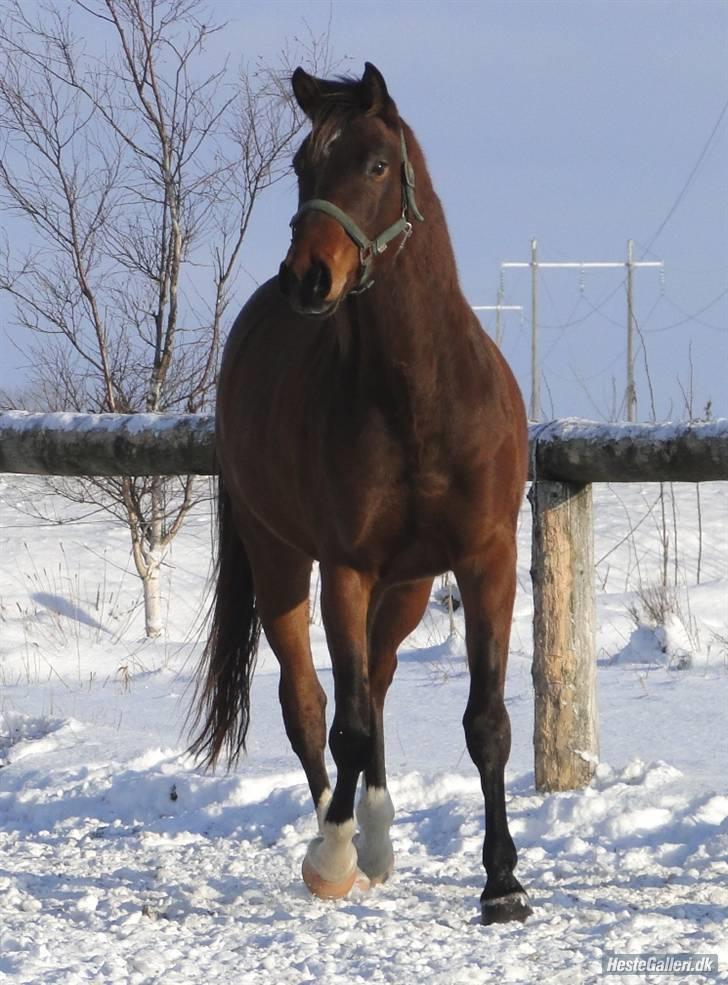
(134, 171)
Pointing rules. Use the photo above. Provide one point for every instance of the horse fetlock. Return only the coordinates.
(375, 808)
(322, 807)
(499, 861)
(350, 743)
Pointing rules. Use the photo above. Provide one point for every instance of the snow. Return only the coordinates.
(21, 420)
(578, 427)
(561, 430)
(121, 862)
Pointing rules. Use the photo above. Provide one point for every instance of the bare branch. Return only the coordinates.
(133, 172)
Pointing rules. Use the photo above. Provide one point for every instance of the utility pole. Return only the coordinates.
(630, 397)
(498, 308)
(630, 265)
(535, 368)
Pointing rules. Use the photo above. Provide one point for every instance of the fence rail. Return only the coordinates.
(170, 444)
(565, 458)
(585, 451)
(107, 444)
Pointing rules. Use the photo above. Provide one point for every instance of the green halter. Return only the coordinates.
(371, 248)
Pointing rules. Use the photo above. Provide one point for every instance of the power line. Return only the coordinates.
(688, 182)
(693, 317)
(594, 309)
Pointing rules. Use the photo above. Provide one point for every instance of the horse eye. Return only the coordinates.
(379, 168)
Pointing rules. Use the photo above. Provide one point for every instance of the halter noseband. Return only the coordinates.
(371, 248)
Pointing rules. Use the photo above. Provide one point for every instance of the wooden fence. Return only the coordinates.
(566, 457)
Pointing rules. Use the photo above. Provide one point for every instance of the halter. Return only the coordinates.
(371, 248)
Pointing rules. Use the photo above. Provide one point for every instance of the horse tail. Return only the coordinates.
(221, 706)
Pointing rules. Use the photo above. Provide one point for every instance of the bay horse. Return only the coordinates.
(364, 420)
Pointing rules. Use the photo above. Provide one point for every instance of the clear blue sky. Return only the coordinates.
(578, 123)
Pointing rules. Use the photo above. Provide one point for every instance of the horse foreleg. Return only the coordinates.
(330, 868)
(487, 585)
(395, 617)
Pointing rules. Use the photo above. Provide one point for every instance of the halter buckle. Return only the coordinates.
(406, 233)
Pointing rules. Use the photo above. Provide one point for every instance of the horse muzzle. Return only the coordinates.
(309, 294)
(320, 268)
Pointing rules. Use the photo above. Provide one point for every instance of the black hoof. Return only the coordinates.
(504, 909)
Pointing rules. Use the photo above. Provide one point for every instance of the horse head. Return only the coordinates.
(356, 191)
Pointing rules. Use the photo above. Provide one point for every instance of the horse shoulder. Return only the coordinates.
(265, 310)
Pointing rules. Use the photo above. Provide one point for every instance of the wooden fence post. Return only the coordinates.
(566, 738)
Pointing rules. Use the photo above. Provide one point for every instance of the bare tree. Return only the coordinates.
(137, 172)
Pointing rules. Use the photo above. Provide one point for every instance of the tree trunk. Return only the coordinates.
(153, 603)
(154, 557)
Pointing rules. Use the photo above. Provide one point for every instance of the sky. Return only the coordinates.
(581, 124)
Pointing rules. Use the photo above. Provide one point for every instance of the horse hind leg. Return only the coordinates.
(487, 586)
(397, 615)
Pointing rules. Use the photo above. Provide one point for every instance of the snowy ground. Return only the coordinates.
(119, 862)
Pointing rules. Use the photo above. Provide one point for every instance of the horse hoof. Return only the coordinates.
(378, 867)
(505, 909)
(326, 889)
(378, 875)
(380, 878)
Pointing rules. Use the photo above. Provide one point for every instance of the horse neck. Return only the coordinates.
(413, 314)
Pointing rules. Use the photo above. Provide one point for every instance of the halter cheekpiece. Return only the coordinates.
(371, 248)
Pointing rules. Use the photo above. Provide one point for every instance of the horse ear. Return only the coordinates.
(307, 91)
(376, 98)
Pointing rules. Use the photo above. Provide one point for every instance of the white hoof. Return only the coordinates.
(330, 866)
(377, 862)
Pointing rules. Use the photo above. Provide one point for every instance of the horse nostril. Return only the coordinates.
(317, 283)
(307, 294)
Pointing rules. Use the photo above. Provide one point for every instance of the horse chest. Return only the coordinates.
(388, 489)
